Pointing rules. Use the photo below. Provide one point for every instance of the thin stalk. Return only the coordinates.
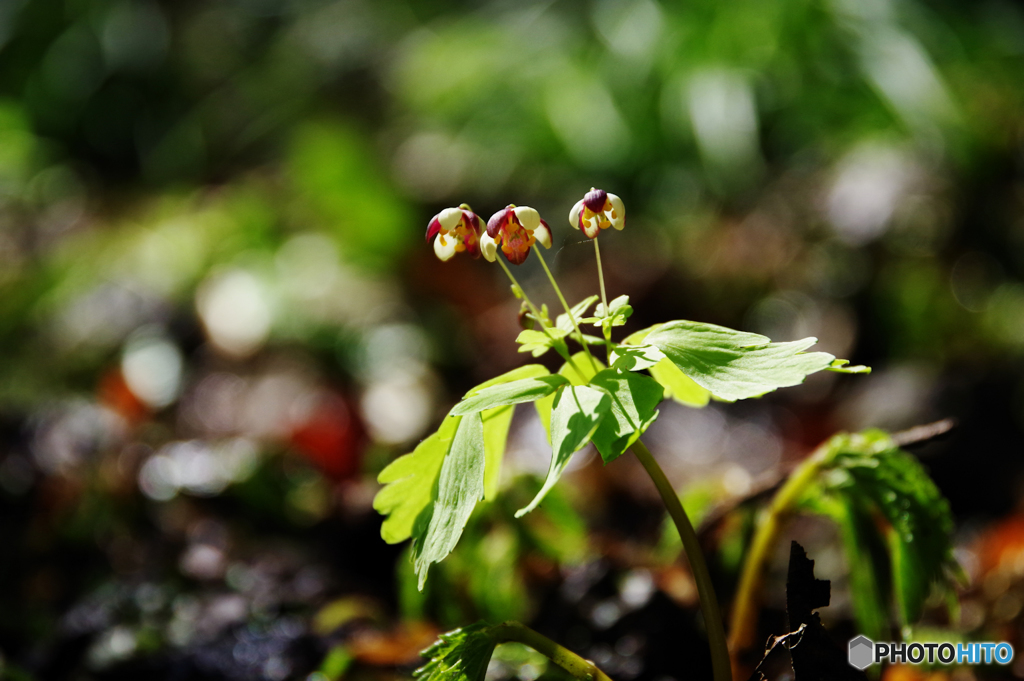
(606, 330)
(600, 273)
(745, 605)
(568, 310)
(536, 313)
(708, 601)
(582, 669)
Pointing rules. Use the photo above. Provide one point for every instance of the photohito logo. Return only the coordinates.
(863, 652)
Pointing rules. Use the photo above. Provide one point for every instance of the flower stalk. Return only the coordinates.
(536, 313)
(720, 662)
(568, 311)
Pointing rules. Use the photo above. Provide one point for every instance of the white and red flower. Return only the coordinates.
(457, 230)
(596, 211)
(515, 229)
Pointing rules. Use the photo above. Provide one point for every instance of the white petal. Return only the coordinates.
(620, 212)
(591, 227)
(574, 214)
(543, 235)
(528, 217)
(449, 218)
(444, 248)
(489, 247)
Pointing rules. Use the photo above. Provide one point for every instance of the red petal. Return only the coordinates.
(433, 227)
(497, 221)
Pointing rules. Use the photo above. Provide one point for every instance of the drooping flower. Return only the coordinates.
(596, 211)
(457, 230)
(515, 229)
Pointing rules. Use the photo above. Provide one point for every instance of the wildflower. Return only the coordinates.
(515, 229)
(457, 230)
(596, 211)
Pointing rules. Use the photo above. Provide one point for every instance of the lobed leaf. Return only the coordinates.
(576, 414)
(409, 483)
(634, 401)
(735, 365)
(460, 484)
(588, 370)
(578, 310)
(459, 655)
(678, 385)
(538, 342)
(515, 392)
(636, 357)
(871, 477)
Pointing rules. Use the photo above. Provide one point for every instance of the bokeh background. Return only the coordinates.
(219, 319)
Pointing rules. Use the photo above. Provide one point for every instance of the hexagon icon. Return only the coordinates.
(862, 652)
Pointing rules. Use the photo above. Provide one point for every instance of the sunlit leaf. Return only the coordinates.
(496, 425)
(525, 371)
(678, 385)
(588, 367)
(735, 365)
(636, 357)
(576, 414)
(515, 392)
(539, 342)
(578, 310)
(841, 366)
(634, 401)
(409, 483)
(459, 655)
(409, 480)
(460, 485)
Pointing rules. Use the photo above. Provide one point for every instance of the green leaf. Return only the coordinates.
(867, 470)
(460, 485)
(866, 556)
(496, 425)
(634, 401)
(409, 483)
(538, 342)
(459, 655)
(515, 392)
(497, 422)
(576, 414)
(678, 385)
(578, 310)
(525, 371)
(735, 365)
(588, 366)
(636, 357)
(619, 310)
(840, 366)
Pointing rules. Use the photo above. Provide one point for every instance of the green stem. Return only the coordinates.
(584, 670)
(745, 604)
(600, 273)
(536, 314)
(568, 310)
(708, 602)
(605, 328)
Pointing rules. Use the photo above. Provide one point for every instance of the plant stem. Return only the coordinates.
(600, 274)
(568, 310)
(536, 313)
(605, 328)
(745, 604)
(708, 602)
(584, 670)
